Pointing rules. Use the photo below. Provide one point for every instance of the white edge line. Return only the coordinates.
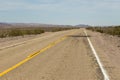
(104, 72)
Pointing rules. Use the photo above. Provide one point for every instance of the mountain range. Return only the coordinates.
(9, 25)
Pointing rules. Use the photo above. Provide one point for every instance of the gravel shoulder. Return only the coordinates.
(108, 49)
(19, 40)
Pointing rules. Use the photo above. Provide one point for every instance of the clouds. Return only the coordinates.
(8, 5)
(59, 5)
(52, 4)
(73, 11)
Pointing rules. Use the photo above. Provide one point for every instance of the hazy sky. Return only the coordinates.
(92, 12)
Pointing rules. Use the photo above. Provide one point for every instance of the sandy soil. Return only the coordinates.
(108, 48)
(16, 41)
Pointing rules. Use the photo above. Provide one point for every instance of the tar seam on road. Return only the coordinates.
(104, 72)
(33, 55)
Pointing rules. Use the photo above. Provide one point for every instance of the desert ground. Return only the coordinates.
(71, 59)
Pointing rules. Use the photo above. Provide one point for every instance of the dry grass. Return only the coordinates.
(108, 30)
(11, 32)
(15, 31)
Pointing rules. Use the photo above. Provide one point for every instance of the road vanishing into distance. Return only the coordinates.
(63, 55)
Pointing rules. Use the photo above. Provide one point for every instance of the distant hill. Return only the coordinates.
(4, 23)
(20, 25)
(9, 25)
(82, 25)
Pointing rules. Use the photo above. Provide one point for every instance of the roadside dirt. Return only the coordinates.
(108, 49)
(15, 41)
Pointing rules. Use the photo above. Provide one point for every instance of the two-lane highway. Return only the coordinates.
(70, 59)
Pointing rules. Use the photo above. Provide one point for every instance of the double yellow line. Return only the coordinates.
(33, 55)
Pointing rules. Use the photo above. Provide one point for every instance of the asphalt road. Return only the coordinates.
(70, 59)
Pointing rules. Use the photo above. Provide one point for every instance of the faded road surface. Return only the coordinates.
(71, 59)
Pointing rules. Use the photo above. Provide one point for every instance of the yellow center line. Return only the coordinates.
(33, 55)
